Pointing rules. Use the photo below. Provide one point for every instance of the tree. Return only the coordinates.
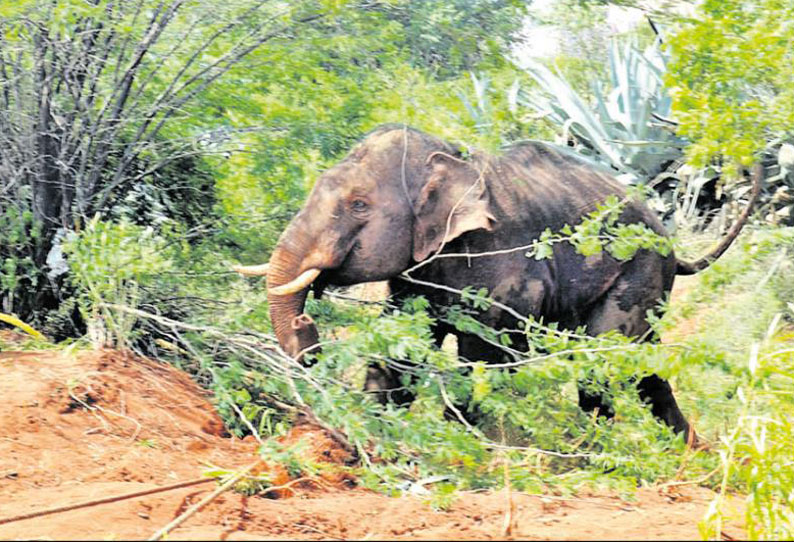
(96, 95)
(731, 81)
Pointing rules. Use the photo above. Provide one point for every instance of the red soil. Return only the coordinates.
(91, 425)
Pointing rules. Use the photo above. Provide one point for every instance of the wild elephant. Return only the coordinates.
(403, 198)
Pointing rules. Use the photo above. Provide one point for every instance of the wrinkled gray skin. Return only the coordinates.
(390, 202)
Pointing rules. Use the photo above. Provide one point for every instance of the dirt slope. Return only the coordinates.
(78, 427)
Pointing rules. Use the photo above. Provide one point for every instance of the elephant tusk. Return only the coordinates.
(251, 270)
(303, 281)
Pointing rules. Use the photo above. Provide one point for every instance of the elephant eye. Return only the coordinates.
(359, 205)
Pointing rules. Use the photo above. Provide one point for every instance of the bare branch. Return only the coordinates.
(166, 109)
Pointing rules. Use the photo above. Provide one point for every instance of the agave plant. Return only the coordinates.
(480, 111)
(628, 126)
(699, 190)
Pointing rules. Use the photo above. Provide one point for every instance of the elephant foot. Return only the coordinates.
(384, 385)
(590, 402)
(659, 394)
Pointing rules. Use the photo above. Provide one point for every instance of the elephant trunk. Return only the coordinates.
(296, 332)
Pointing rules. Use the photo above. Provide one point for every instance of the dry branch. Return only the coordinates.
(104, 500)
(204, 502)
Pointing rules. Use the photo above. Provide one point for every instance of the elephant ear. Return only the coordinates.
(452, 202)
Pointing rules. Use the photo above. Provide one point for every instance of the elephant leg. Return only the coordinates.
(384, 384)
(619, 310)
(440, 331)
(382, 381)
(590, 402)
(659, 394)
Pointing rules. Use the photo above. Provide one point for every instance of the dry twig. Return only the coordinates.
(104, 500)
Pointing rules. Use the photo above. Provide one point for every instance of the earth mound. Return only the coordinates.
(76, 427)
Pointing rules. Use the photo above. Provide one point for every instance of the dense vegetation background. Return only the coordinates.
(146, 145)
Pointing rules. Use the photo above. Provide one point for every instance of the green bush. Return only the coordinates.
(747, 406)
(109, 261)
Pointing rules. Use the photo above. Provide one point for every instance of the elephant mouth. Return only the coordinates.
(338, 275)
(319, 285)
(341, 274)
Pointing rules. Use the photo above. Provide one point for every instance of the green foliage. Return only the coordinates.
(464, 34)
(108, 263)
(524, 415)
(231, 112)
(18, 235)
(533, 404)
(248, 485)
(733, 92)
(737, 379)
(758, 448)
(600, 230)
(290, 457)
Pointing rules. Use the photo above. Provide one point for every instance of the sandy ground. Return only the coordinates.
(100, 424)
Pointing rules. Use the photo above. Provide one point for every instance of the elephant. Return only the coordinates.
(402, 199)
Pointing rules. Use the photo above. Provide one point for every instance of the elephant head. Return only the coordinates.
(393, 201)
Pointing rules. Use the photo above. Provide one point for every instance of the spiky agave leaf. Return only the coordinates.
(620, 128)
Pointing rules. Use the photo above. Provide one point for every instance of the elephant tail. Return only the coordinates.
(690, 268)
